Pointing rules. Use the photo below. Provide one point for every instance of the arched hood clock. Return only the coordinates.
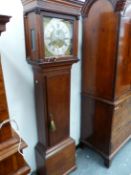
(106, 76)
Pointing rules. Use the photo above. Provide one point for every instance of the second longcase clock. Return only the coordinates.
(106, 76)
(51, 46)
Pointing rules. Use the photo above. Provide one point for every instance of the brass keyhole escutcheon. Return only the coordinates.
(52, 124)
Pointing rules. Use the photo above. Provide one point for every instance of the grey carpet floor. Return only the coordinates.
(90, 163)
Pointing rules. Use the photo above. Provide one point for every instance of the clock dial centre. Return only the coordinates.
(57, 37)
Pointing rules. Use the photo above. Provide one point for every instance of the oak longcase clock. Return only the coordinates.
(51, 33)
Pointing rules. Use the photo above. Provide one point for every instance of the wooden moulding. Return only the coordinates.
(10, 156)
(67, 7)
(3, 20)
(10, 146)
(118, 5)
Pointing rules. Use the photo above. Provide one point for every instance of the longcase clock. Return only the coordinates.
(51, 32)
(106, 76)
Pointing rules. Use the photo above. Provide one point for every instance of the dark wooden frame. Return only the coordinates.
(71, 7)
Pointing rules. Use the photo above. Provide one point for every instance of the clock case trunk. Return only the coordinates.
(106, 77)
(55, 151)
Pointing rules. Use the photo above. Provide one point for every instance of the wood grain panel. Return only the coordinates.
(63, 161)
(123, 80)
(5, 132)
(99, 50)
(14, 165)
(58, 90)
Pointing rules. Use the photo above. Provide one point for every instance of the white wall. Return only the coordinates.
(75, 110)
(19, 80)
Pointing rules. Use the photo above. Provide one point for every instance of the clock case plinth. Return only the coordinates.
(55, 151)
